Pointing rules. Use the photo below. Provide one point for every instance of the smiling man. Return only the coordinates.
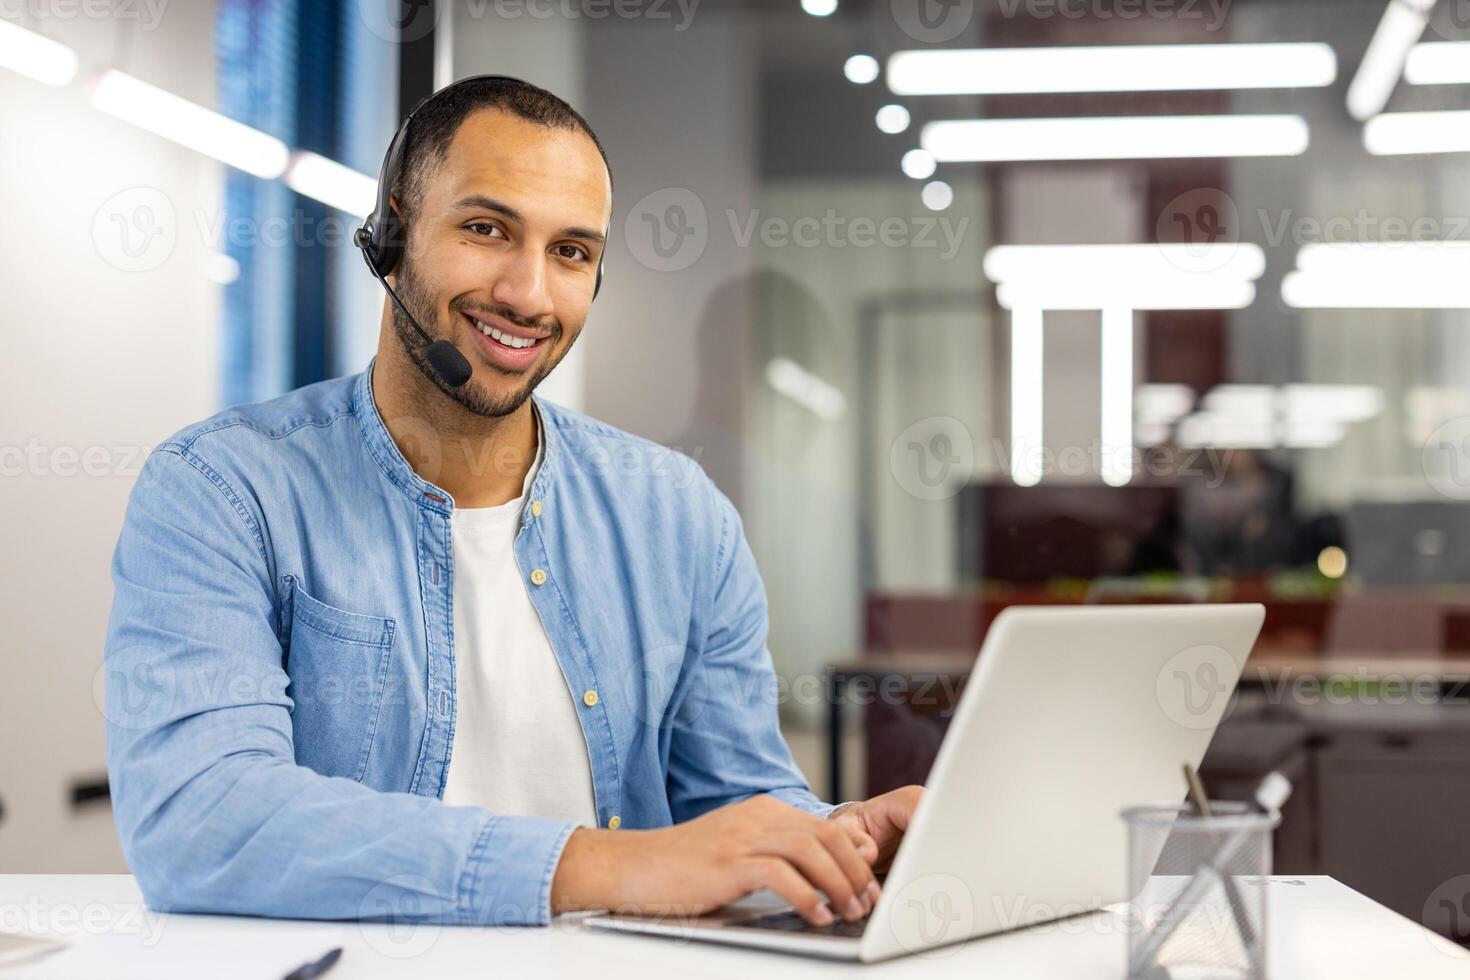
(405, 644)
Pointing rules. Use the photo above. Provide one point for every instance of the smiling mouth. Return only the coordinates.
(504, 338)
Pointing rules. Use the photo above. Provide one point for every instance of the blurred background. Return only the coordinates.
(965, 304)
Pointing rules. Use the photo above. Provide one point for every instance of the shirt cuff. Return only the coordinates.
(507, 879)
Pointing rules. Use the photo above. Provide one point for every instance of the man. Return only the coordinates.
(386, 646)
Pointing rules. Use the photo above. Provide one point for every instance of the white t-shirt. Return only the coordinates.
(518, 744)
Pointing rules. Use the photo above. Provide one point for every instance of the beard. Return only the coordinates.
(472, 397)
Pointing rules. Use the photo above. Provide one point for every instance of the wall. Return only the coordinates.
(101, 362)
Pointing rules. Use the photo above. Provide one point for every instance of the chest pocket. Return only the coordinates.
(338, 664)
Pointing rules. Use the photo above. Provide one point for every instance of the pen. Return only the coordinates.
(308, 971)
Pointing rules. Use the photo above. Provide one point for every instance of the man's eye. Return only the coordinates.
(571, 251)
(483, 228)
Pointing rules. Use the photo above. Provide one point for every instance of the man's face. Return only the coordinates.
(502, 254)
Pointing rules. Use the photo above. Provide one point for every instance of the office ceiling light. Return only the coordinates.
(1028, 374)
(331, 183)
(1295, 416)
(1162, 403)
(1380, 275)
(806, 389)
(1222, 260)
(819, 8)
(190, 124)
(1395, 133)
(1111, 68)
(937, 195)
(1402, 23)
(1438, 63)
(221, 268)
(861, 69)
(36, 56)
(1140, 277)
(893, 119)
(1115, 137)
(919, 164)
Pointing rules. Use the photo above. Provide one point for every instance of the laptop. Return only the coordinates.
(1070, 715)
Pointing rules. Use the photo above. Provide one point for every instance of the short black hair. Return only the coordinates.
(426, 144)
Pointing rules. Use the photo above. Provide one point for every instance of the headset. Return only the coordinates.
(382, 241)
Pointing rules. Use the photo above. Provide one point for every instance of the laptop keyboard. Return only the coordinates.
(791, 921)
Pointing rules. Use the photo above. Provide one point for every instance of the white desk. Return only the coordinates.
(1317, 928)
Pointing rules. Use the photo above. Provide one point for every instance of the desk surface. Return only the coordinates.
(1317, 928)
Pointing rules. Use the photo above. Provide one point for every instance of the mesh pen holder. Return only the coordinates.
(1197, 884)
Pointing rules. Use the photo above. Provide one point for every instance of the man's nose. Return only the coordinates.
(521, 284)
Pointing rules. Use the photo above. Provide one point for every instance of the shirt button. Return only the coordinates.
(590, 698)
(615, 823)
(538, 577)
(535, 508)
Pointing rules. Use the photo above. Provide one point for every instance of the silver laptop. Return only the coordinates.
(1070, 715)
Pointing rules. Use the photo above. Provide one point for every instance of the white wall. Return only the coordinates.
(100, 361)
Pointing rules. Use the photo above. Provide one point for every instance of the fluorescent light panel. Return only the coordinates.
(1396, 133)
(1111, 68)
(190, 124)
(1117, 395)
(1136, 276)
(1380, 275)
(806, 389)
(1402, 23)
(1115, 138)
(1438, 63)
(35, 55)
(331, 183)
(1027, 377)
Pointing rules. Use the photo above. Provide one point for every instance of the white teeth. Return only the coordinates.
(504, 338)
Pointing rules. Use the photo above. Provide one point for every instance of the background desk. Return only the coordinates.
(1317, 928)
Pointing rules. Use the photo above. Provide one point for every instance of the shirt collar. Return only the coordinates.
(385, 451)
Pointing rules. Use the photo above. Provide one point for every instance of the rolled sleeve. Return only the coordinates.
(507, 880)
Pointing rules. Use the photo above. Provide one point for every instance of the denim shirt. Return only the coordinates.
(280, 663)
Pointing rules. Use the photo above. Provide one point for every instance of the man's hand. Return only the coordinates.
(884, 819)
(693, 867)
